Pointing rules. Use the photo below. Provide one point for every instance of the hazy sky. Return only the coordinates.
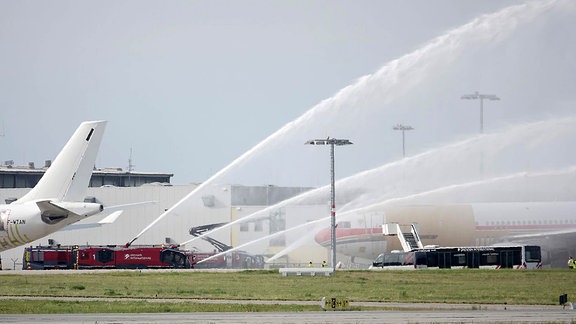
(188, 86)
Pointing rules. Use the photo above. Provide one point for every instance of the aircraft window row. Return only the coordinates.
(532, 222)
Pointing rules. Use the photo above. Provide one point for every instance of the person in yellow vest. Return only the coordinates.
(324, 264)
(310, 264)
(571, 263)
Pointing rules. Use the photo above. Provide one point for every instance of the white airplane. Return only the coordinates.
(58, 199)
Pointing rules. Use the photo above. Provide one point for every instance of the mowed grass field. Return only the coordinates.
(470, 286)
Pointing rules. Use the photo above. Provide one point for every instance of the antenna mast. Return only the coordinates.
(130, 165)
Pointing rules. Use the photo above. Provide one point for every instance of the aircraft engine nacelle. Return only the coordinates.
(82, 208)
(52, 213)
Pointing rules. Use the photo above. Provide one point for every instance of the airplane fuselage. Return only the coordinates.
(22, 224)
(549, 224)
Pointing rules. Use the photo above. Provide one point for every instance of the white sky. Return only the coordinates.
(191, 85)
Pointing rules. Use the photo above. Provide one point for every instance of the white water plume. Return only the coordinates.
(559, 186)
(384, 98)
(529, 147)
(452, 194)
(452, 168)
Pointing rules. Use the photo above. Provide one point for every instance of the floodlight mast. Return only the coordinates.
(403, 128)
(332, 142)
(481, 97)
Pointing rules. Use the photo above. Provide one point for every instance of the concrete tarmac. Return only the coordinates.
(401, 313)
(421, 316)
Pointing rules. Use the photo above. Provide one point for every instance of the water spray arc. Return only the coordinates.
(520, 142)
(464, 193)
(392, 82)
(454, 191)
(500, 186)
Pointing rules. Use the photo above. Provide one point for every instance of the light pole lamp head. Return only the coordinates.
(491, 97)
(340, 142)
(316, 142)
(477, 95)
(402, 127)
(472, 96)
(328, 141)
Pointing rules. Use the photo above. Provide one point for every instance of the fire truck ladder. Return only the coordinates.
(199, 230)
(407, 234)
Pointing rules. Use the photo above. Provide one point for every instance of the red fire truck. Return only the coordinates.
(105, 257)
(133, 257)
(55, 256)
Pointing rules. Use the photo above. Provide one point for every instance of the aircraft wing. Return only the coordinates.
(120, 208)
(104, 221)
(74, 227)
(115, 212)
(110, 218)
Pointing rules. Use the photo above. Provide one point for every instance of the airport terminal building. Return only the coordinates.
(217, 204)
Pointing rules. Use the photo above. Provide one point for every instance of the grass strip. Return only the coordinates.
(469, 286)
(81, 307)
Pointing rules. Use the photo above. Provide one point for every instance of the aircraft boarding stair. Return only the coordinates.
(407, 234)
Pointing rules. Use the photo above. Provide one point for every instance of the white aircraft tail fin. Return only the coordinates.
(68, 177)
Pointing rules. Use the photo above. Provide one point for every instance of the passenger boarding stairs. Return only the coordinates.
(407, 234)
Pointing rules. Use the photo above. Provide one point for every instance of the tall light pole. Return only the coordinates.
(403, 128)
(481, 97)
(332, 142)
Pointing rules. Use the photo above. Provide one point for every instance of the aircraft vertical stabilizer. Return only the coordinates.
(68, 177)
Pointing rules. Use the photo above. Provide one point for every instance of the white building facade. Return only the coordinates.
(216, 204)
